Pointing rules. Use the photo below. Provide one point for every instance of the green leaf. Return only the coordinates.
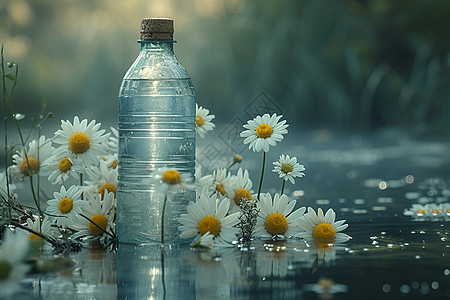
(11, 77)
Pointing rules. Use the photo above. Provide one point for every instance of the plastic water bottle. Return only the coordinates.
(156, 117)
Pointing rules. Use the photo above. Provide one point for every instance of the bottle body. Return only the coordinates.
(156, 118)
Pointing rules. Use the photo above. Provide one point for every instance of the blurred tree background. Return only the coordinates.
(357, 65)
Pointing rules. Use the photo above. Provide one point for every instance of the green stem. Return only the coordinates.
(230, 166)
(282, 187)
(162, 218)
(5, 122)
(81, 184)
(163, 274)
(36, 201)
(262, 174)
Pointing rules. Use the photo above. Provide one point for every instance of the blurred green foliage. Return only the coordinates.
(327, 63)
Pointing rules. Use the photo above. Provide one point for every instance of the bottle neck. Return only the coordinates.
(157, 45)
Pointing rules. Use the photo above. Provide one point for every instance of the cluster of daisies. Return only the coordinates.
(430, 211)
(214, 217)
(82, 159)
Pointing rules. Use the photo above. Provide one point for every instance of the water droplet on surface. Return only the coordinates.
(217, 258)
(435, 285)
(409, 179)
(19, 116)
(385, 200)
(412, 195)
(417, 257)
(323, 201)
(386, 288)
(379, 208)
(383, 185)
(298, 193)
(446, 272)
(405, 289)
(360, 201)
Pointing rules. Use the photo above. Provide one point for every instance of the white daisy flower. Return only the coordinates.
(322, 227)
(205, 241)
(38, 152)
(81, 141)
(276, 219)
(209, 214)
(113, 141)
(59, 170)
(63, 209)
(13, 252)
(220, 182)
(112, 160)
(429, 211)
(101, 179)
(44, 227)
(203, 120)
(263, 132)
(288, 168)
(242, 187)
(170, 181)
(101, 210)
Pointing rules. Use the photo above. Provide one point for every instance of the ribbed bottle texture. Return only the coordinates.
(156, 118)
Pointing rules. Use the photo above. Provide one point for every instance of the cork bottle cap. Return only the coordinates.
(156, 29)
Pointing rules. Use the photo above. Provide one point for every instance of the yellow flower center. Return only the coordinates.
(264, 131)
(65, 205)
(210, 224)
(220, 189)
(32, 162)
(324, 231)
(421, 211)
(64, 165)
(199, 121)
(171, 177)
(5, 269)
(436, 211)
(286, 168)
(448, 210)
(241, 193)
(114, 163)
(111, 188)
(276, 223)
(79, 143)
(34, 237)
(101, 221)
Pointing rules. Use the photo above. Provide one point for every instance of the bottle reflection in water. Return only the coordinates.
(153, 272)
(156, 117)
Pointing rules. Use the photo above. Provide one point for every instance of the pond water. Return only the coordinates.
(367, 182)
